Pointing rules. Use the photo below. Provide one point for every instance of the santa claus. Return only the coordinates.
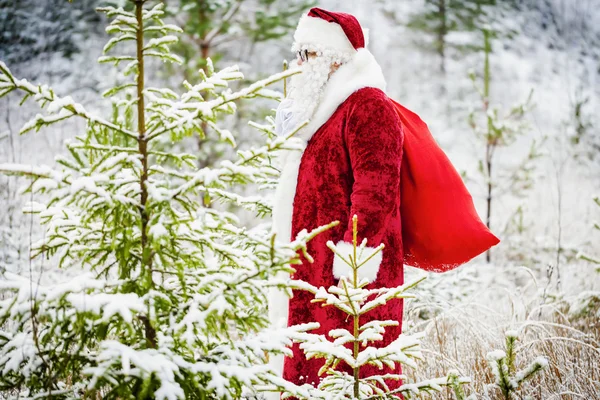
(363, 154)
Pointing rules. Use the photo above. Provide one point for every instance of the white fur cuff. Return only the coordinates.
(367, 271)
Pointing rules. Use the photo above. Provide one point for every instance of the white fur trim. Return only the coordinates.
(284, 195)
(278, 316)
(366, 271)
(278, 300)
(313, 30)
(282, 227)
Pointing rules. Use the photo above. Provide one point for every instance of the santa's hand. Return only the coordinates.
(283, 117)
(369, 261)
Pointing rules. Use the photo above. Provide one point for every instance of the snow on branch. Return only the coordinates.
(58, 108)
(191, 107)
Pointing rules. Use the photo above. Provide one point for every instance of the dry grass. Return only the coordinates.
(458, 337)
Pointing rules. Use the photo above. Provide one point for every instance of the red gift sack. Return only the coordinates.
(440, 226)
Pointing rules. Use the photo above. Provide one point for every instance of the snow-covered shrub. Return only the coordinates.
(595, 258)
(507, 378)
(355, 348)
(161, 295)
(496, 128)
(587, 303)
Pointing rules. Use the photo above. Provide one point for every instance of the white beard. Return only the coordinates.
(306, 88)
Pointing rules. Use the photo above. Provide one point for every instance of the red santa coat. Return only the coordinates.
(350, 165)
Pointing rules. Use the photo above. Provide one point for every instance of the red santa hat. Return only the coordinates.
(320, 28)
(341, 36)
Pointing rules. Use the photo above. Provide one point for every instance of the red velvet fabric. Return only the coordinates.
(441, 228)
(348, 23)
(350, 166)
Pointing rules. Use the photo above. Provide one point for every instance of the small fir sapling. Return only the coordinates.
(497, 129)
(354, 348)
(594, 259)
(503, 365)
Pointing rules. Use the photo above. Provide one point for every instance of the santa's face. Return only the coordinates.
(306, 55)
(307, 87)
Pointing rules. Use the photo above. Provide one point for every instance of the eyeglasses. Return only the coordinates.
(303, 55)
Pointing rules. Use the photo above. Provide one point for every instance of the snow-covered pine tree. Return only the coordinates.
(503, 365)
(354, 348)
(160, 295)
